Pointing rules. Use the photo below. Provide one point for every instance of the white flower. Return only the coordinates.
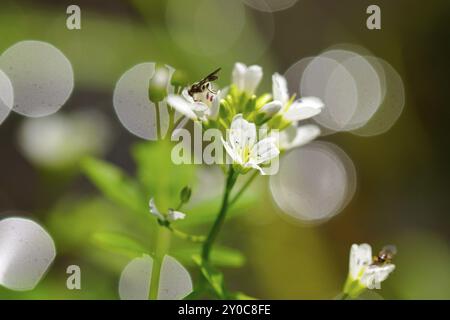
(293, 136)
(271, 108)
(195, 110)
(154, 210)
(363, 270)
(243, 147)
(172, 215)
(300, 109)
(246, 78)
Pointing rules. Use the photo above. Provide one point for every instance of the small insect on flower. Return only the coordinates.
(202, 91)
(385, 256)
(367, 271)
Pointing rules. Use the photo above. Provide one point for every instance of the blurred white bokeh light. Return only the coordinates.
(362, 94)
(314, 183)
(60, 140)
(175, 283)
(327, 79)
(392, 106)
(132, 104)
(270, 5)
(41, 75)
(26, 252)
(6, 96)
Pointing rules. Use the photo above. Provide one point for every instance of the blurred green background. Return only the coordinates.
(403, 174)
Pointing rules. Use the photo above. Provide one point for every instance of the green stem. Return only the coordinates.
(243, 188)
(186, 236)
(162, 241)
(207, 245)
(352, 289)
(162, 246)
(158, 121)
(345, 296)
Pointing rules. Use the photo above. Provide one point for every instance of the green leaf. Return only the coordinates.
(220, 256)
(157, 173)
(119, 243)
(114, 184)
(240, 296)
(214, 277)
(206, 211)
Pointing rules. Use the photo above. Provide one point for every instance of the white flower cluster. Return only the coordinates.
(239, 113)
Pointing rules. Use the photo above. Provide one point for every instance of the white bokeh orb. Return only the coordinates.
(26, 252)
(6, 96)
(392, 105)
(41, 75)
(132, 104)
(60, 140)
(314, 183)
(175, 282)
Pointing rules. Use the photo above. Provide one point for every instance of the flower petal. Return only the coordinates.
(231, 152)
(279, 88)
(154, 210)
(181, 105)
(360, 258)
(238, 75)
(271, 108)
(257, 167)
(294, 136)
(242, 133)
(215, 106)
(304, 108)
(263, 151)
(174, 215)
(252, 78)
(185, 94)
(374, 275)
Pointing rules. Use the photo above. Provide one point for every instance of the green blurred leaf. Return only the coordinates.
(206, 211)
(119, 243)
(156, 171)
(240, 296)
(185, 194)
(214, 277)
(114, 184)
(220, 256)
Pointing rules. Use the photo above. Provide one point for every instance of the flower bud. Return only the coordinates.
(158, 85)
(179, 79)
(185, 194)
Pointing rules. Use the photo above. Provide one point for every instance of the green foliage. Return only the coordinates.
(206, 211)
(241, 296)
(214, 277)
(159, 176)
(220, 256)
(114, 184)
(119, 243)
(179, 79)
